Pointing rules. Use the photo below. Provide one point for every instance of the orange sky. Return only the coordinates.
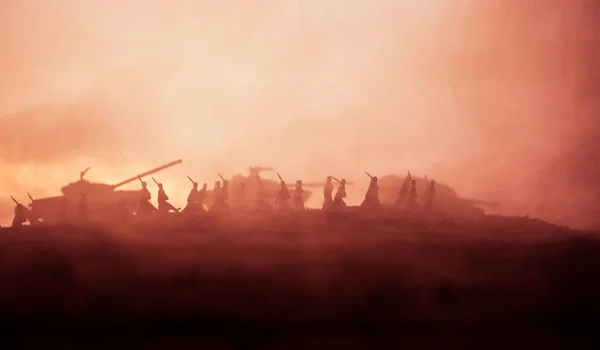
(470, 93)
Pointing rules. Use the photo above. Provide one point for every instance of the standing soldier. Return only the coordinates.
(240, 196)
(145, 196)
(20, 214)
(429, 194)
(282, 196)
(192, 200)
(299, 196)
(201, 197)
(33, 215)
(338, 202)
(216, 195)
(403, 193)
(163, 205)
(371, 200)
(83, 207)
(411, 199)
(327, 193)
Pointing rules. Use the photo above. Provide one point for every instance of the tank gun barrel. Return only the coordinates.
(149, 172)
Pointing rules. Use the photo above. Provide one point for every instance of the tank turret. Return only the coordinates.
(446, 199)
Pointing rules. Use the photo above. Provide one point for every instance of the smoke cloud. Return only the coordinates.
(498, 99)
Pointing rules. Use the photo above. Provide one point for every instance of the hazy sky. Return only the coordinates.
(483, 95)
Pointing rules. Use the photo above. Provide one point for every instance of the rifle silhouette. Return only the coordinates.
(14, 200)
(30, 197)
(192, 181)
(222, 178)
(369, 175)
(82, 174)
(279, 176)
(156, 182)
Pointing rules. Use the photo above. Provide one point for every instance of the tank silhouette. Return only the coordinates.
(104, 200)
(446, 199)
(253, 181)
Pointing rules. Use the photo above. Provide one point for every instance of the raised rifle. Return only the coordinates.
(156, 182)
(369, 175)
(189, 178)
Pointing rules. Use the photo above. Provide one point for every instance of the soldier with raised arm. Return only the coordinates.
(163, 205)
(33, 215)
(145, 206)
(403, 192)
(327, 193)
(338, 201)
(240, 196)
(202, 197)
(299, 196)
(20, 214)
(282, 196)
(411, 198)
(371, 200)
(429, 194)
(192, 199)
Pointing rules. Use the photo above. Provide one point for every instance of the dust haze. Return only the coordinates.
(499, 99)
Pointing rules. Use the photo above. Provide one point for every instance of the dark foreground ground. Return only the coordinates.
(302, 282)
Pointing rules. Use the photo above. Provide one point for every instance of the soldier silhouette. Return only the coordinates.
(221, 194)
(411, 198)
(429, 194)
(282, 196)
(240, 196)
(299, 196)
(202, 197)
(327, 193)
(83, 207)
(371, 200)
(20, 214)
(192, 199)
(164, 206)
(145, 206)
(338, 201)
(32, 214)
(403, 192)
(216, 196)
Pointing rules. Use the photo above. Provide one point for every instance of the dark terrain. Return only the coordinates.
(301, 281)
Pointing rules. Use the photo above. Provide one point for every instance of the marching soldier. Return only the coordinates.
(192, 200)
(163, 205)
(201, 197)
(403, 192)
(429, 194)
(299, 196)
(240, 195)
(145, 196)
(20, 214)
(338, 201)
(411, 199)
(371, 200)
(282, 196)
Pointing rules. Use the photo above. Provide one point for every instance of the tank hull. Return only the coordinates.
(107, 207)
